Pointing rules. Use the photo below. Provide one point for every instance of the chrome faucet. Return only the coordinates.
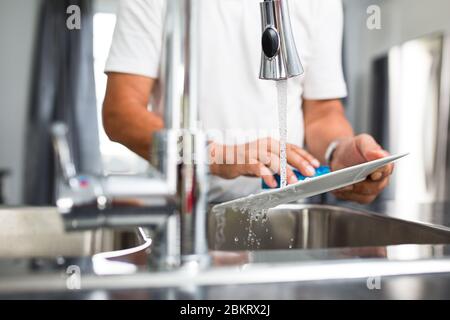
(175, 193)
(279, 58)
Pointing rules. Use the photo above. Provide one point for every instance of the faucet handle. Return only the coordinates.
(62, 150)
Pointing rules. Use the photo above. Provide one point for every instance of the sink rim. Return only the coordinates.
(251, 274)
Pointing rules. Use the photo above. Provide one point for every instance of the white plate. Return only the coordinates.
(309, 187)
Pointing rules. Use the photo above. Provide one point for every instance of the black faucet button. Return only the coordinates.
(270, 42)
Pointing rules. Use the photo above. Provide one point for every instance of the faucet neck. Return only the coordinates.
(180, 101)
(279, 58)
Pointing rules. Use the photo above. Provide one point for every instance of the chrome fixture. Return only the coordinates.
(175, 194)
(279, 58)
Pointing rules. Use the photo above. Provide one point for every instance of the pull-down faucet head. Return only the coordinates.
(279, 59)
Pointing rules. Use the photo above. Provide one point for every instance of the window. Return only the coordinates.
(116, 158)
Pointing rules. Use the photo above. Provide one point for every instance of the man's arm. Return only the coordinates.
(325, 122)
(125, 116)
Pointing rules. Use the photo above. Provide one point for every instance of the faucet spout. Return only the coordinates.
(279, 58)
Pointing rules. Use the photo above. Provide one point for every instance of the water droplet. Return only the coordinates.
(236, 239)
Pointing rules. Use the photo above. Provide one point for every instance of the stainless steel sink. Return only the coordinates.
(33, 232)
(244, 252)
(39, 232)
(316, 227)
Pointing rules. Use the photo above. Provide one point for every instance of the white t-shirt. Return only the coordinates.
(233, 100)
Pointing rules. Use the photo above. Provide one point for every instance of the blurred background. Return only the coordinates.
(398, 78)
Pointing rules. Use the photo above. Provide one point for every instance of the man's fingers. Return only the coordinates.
(300, 163)
(383, 172)
(371, 150)
(270, 181)
(275, 166)
(270, 145)
(351, 196)
(368, 187)
(273, 146)
(346, 189)
(261, 171)
(367, 146)
(306, 155)
(272, 160)
(271, 164)
(291, 177)
(376, 176)
(376, 154)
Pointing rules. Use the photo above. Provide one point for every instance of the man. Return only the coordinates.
(235, 103)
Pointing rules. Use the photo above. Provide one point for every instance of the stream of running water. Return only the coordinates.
(282, 125)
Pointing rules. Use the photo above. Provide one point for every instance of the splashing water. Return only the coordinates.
(258, 212)
(282, 125)
(220, 228)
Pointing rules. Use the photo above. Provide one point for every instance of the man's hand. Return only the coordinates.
(357, 150)
(260, 158)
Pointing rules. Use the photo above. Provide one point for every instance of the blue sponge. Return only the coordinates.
(319, 172)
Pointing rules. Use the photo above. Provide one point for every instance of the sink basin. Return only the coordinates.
(316, 227)
(39, 232)
(244, 251)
